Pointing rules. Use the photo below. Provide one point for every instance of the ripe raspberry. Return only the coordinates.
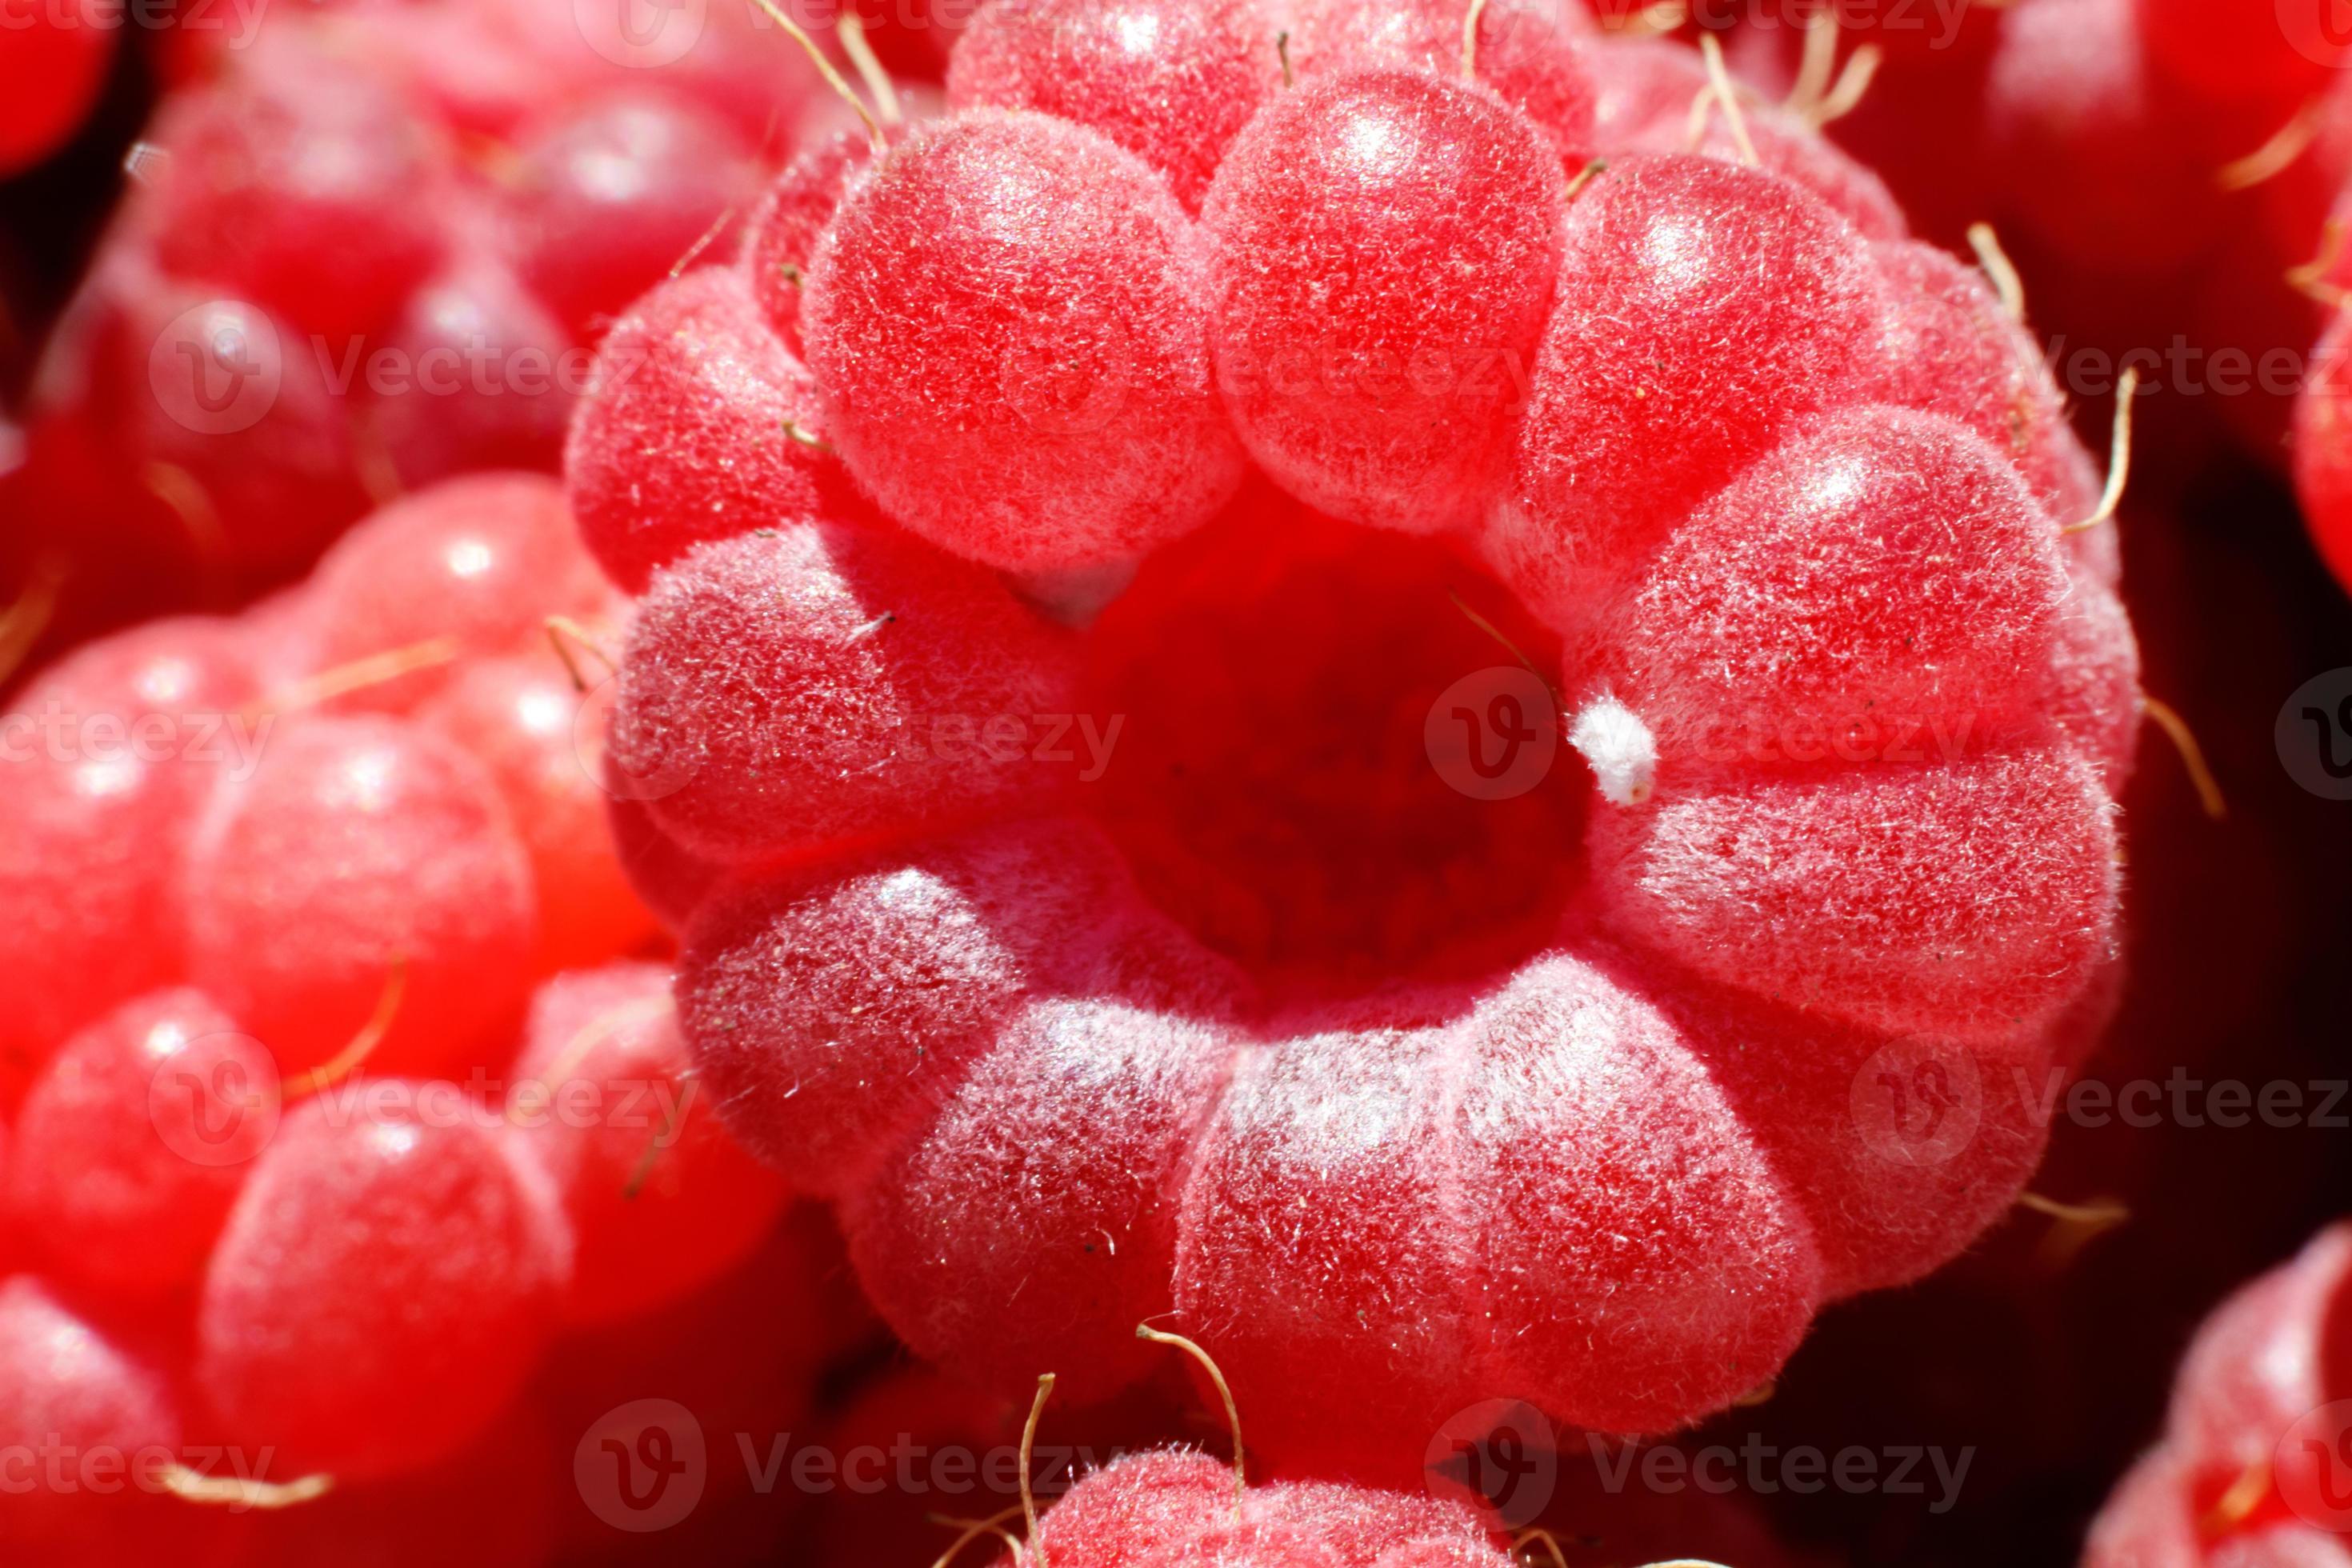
(2233, 1481)
(660, 1200)
(1005, 322)
(1339, 1042)
(1384, 261)
(382, 1289)
(133, 1144)
(689, 434)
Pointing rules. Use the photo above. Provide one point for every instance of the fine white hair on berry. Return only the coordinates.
(1623, 752)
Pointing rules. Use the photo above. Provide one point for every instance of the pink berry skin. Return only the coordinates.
(1886, 571)
(1670, 362)
(613, 193)
(83, 880)
(781, 239)
(383, 1285)
(1172, 82)
(687, 433)
(133, 1146)
(1527, 52)
(520, 718)
(1007, 326)
(660, 1200)
(1879, 895)
(1385, 254)
(821, 683)
(314, 189)
(480, 561)
(356, 844)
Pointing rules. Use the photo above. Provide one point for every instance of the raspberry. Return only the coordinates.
(480, 561)
(52, 65)
(133, 1144)
(689, 434)
(1172, 82)
(1664, 372)
(381, 1289)
(1268, 1015)
(1019, 376)
(1385, 256)
(90, 921)
(660, 1200)
(805, 685)
(357, 845)
(609, 194)
(2233, 1481)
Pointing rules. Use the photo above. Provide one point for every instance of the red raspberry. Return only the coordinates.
(2251, 1469)
(1405, 1097)
(2323, 448)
